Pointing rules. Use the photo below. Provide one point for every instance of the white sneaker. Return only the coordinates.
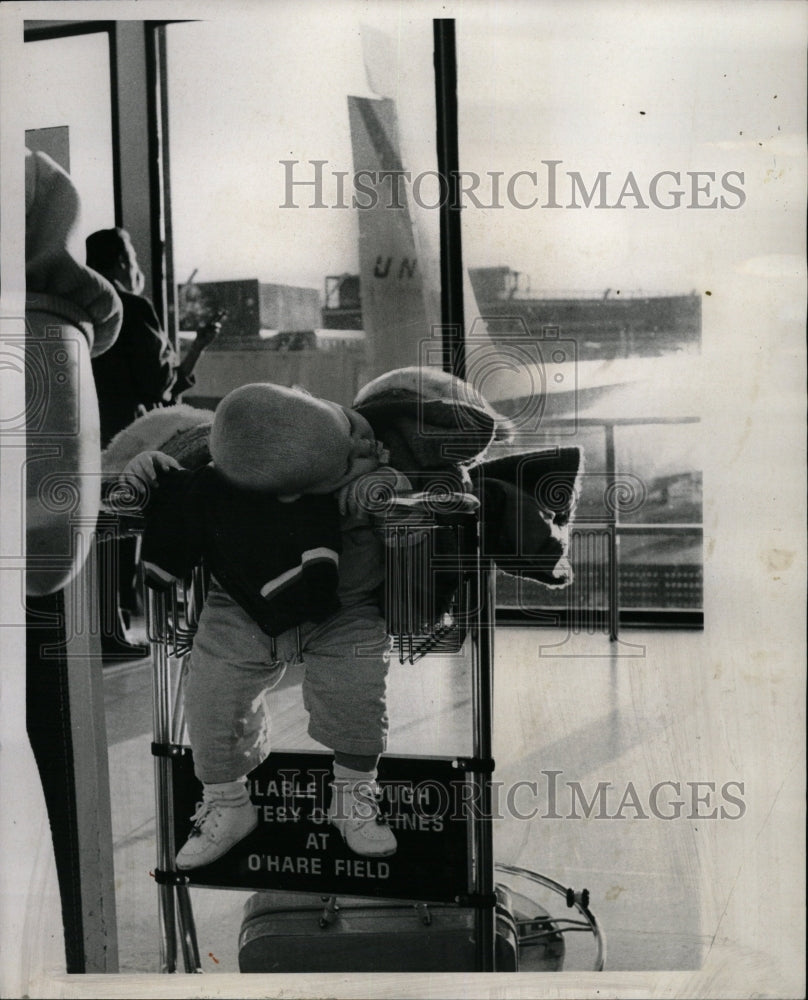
(217, 827)
(355, 812)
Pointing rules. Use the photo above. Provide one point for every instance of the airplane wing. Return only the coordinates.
(526, 374)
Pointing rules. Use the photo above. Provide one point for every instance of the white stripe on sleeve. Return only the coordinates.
(320, 554)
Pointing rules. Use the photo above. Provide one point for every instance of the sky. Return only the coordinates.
(615, 89)
(620, 88)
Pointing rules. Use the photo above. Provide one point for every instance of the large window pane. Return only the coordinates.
(318, 267)
(68, 117)
(576, 267)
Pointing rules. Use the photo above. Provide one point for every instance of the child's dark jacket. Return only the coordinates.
(279, 561)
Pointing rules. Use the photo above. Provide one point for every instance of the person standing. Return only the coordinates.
(140, 372)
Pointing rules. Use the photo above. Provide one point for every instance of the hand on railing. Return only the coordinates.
(432, 506)
(149, 464)
(370, 495)
(128, 492)
(408, 520)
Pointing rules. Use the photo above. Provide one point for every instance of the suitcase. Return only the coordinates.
(303, 932)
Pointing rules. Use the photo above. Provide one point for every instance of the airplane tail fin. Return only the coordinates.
(399, 246)
(394, 298)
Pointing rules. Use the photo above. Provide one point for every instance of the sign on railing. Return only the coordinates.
(428, 802)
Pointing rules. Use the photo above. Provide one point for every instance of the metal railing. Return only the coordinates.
(600, 535)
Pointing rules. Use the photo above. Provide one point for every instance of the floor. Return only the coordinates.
(602, 723)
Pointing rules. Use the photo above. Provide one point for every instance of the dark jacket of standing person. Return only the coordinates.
(142, 370)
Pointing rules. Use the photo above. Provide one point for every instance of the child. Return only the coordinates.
(283, 552)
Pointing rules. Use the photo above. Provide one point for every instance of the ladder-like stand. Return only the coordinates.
(440, 597)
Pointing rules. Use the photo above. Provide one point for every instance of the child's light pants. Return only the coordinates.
(346, 661)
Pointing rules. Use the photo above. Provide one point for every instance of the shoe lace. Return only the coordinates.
(203, 811)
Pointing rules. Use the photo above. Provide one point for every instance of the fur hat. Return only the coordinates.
(429, 419)
(181, 431)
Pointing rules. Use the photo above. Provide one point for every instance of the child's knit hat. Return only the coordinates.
(269, 437)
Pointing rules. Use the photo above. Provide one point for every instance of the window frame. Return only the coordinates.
(451, 286)
(612, 619)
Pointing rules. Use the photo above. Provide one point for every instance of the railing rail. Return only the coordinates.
(609, 522)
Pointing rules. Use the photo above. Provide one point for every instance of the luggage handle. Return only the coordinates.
(330, 912)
